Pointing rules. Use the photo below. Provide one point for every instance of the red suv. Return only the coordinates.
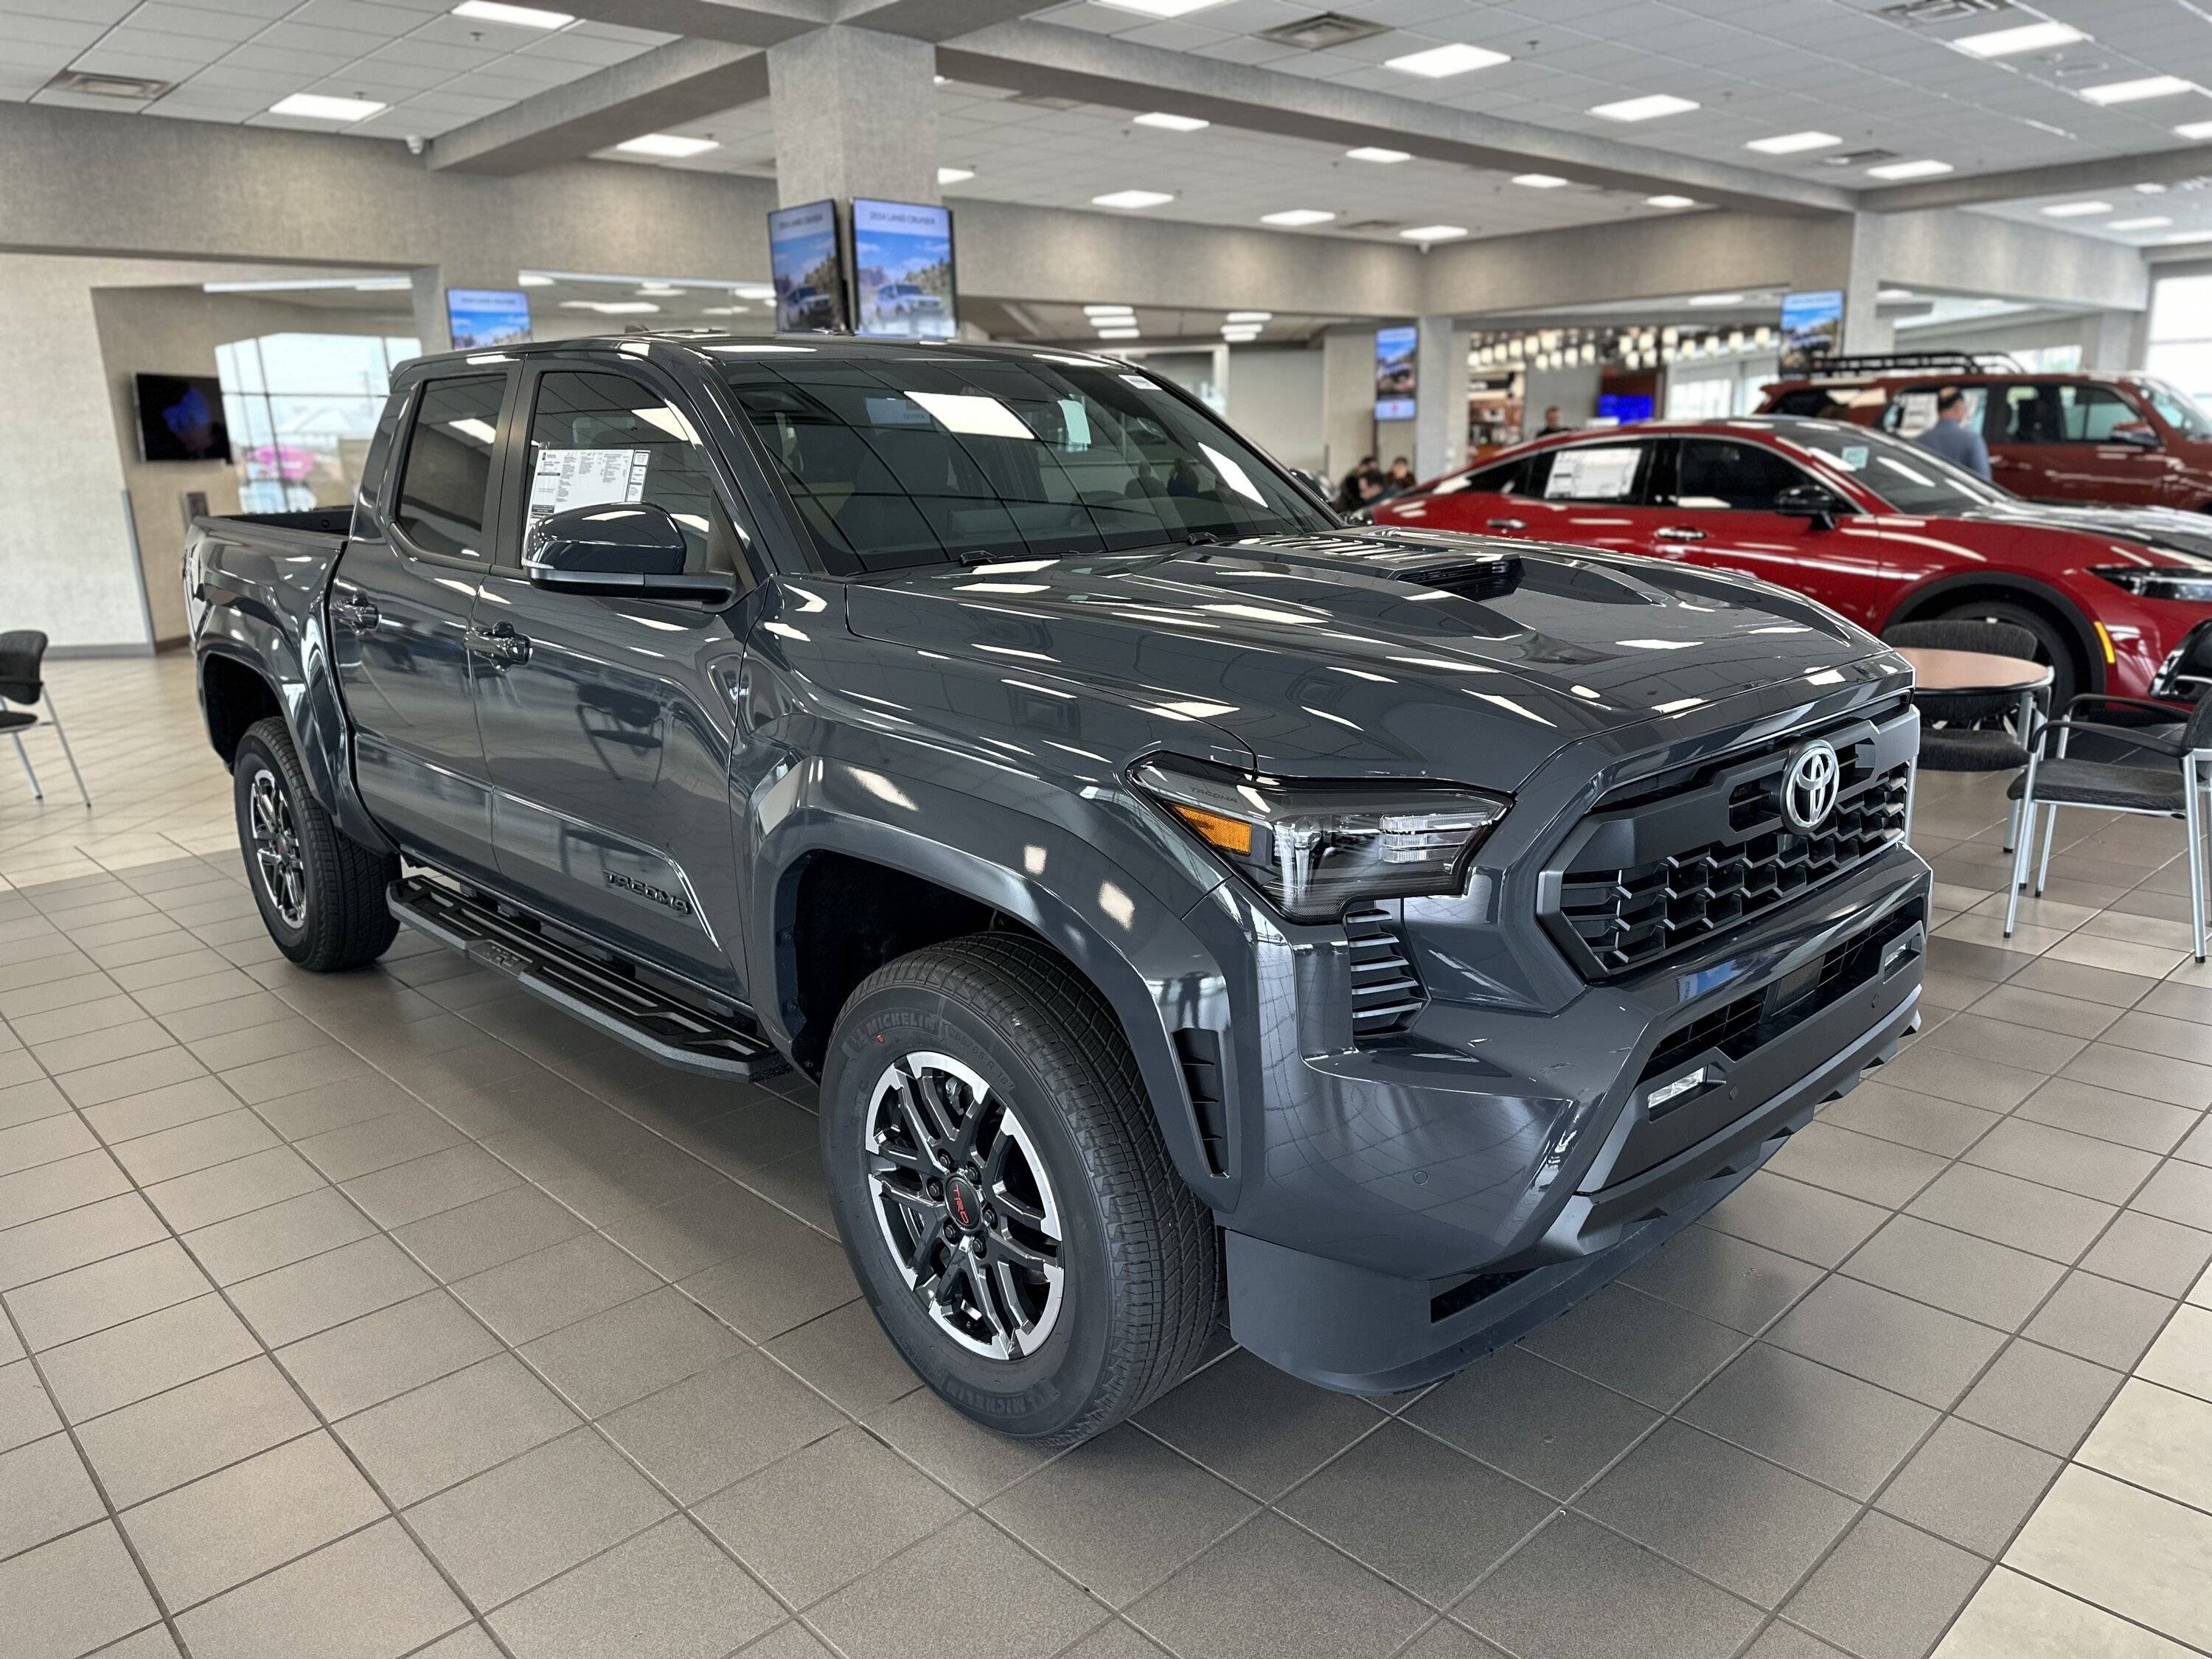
(2119, 599)
(2127, 439)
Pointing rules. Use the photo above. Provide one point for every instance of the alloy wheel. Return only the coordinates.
(965, 1206)
(276, 852)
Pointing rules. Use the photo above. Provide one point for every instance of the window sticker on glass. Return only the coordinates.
(585, 477)
(1854, 457)
(1593, 475)
(1916, 413)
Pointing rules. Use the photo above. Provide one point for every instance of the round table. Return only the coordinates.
(1978, 673)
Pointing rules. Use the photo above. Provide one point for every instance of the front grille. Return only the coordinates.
(1386, 992)
(1660, 868)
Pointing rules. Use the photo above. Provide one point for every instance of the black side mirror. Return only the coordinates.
(621, 551)
(1810, 500)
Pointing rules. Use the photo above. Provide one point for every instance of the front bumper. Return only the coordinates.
(1498, 1204)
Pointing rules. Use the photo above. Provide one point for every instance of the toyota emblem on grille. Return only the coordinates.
(1809, 792)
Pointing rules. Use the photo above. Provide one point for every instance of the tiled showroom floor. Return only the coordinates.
(390, 1314)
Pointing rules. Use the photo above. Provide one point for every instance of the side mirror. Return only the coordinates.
(2139, 433)
(1810, 500)
(620, 551)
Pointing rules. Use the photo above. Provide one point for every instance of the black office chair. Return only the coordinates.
(1962, 732)
(22, 654)
(2171, 791)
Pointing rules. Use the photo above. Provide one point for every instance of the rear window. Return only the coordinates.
(921, 459)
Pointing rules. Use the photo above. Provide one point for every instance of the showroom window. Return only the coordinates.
(301, 409)
(2181, 334)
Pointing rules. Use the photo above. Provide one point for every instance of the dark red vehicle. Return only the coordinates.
(2119, 599)
(2129, 439)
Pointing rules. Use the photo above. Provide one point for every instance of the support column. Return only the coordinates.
(429, 283)
(1440, 393)
(1347, 391)
(855, 115)
(2116, 340)
(1864, 329)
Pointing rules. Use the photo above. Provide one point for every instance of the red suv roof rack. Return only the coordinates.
(1908, 362)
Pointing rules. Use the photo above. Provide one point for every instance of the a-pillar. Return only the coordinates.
(855, 115)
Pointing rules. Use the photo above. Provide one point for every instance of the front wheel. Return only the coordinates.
(1003, 1193)
(320, 893)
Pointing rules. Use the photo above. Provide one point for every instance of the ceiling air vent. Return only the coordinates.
(137, 88)
(1918, 14)
(1321, 31)
(1045, 100)
(1859, 158)
(1369, 224)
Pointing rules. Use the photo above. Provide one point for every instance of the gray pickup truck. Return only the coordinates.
(1167, 883)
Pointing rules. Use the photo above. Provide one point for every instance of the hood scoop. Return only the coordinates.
(1472, 579)
(1424, 558)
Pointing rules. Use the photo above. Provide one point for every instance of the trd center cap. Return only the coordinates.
(964, 1204)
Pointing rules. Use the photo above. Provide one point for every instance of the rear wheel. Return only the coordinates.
(2054, 644)
(320, 894)
(1004, 1194)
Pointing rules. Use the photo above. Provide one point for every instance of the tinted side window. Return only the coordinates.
(2024, 413)
(1822, 403)
(1509, 479)
(1723, 472)
(448, 482)
(616, 439)
(2092, 412)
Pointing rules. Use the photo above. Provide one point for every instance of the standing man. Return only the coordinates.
(1551, 423)
(1950, 436)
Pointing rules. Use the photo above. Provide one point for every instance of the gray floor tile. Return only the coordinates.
(1955, 1270)
(846, 1355)
(95, 1086)
(1637, 1345)
(1967, 1079)
(159, 1111)
(68, 1597)
(1016, 1605)
(516, 1525)
(193, 1430)
(86, 1299)
(610, 1360)
(1970, 1486)
(1747, 1524)
(360, 1149)
(128, 1362)
(34, 1194)
(973, 1460)
(92, 1232)
(787, 1275)
(2009, 1210)
(1268, 1590)
(2100, 1320)
(2019, 1003)
(1887, 1591)
(1809, 1223)
(826, 1514)
(2178, 1192)
(324, 1290)
(372, 1595)
(723, 1423)
(666, 1594)
(1578, 1589)
(2059, 1157)
(1859, 1166)
(1780, 1641)
(44, 1140)
(262, 1241)
(430, 1186)
(26, 1413)
(2087, 1109)
(1538, 1423)
(329, 1106)
(48, 1493)
(1120, 1513)
(201, 1539)
(2042, 1396)
(199, 1144)
(1842, 1433)
(1122, 1641)
(486, 1232)
(207, 1196)
(27, 1102)
(445, 1432)
(354, 1365)
(1256, 1426)
(1942, 1127)
(1876, 1334)
(2150, 1253)
(535, 1294)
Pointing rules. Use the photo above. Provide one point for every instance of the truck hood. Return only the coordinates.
(2151, 530)
(1404, 653)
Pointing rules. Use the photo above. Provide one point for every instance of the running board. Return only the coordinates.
(604, 994)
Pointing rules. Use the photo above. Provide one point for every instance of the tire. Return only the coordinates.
(320, 894)
(2053, 645)
(1138, 1257)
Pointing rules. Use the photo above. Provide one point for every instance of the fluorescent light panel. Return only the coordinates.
(1910, 169)
(1669, 202)
(1120, 334)
(2156, 221)
(2077, 209)
(955, 175)
(667, 144)
(2028, 37)
(521, 17)
(1162, 8)
(1538, 180)
(1650, 107)
(1433, 232)
(1297, 216)
(1109, 311)
(2194, 130)
(1172, 122)
(1132, 199)
(1242, 316)
(1716, 299)
(1793, 144)
(318, 107)
(1385, 157)
(2137, 91)
(1439, 61)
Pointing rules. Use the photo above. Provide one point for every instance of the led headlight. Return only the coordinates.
(1312, 848)
(2160, 584)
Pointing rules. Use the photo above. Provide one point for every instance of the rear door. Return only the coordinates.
(1714, 500)
(608, 721)
(400, 606)
(2056, 440)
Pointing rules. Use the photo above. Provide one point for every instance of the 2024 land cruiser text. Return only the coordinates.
(1160, 878)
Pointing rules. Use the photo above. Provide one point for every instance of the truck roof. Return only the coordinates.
(704, 342)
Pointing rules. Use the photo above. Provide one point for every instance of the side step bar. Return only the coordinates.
(607, 995)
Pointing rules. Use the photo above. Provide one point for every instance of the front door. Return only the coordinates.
(400, 610)
(1586, 494)
(607, 722)
(2058, 441)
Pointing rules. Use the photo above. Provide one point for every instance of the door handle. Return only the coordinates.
(1509, 524)
(355, 616)
(1677, 532)
(500, 644)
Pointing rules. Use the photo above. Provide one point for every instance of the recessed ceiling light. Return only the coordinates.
(1249, 317)
(611, 307)
(1172, 122)
(2189, 236)
(1109, 311)
(1120, 334)
(2150, 189)
(1232, 332)
(1792, 143)
(2194, 130)
(2077, 209)
(1538, 180)
(1162, 8)
(2028, 37)
(2156, 221)
(1437, 62)
(1716, 299)
(1375, 153)
(1910, 169)
(1669, 202)
(316, 107)
(723, 311)
(1132, 200)
(1433, 232)
(661, 290)
(665, 144)
(955, 175)
(533, 282)
(1894, 294)
(1297, 216)
(1648, 108)
(2135, 92)
(523, 17)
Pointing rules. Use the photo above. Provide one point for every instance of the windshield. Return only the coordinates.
(924, 456)
(1904, 475)
(2177, 408)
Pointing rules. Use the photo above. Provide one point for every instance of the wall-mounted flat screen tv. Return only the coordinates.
(180, 417)
(807, 260)
(902, 269)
